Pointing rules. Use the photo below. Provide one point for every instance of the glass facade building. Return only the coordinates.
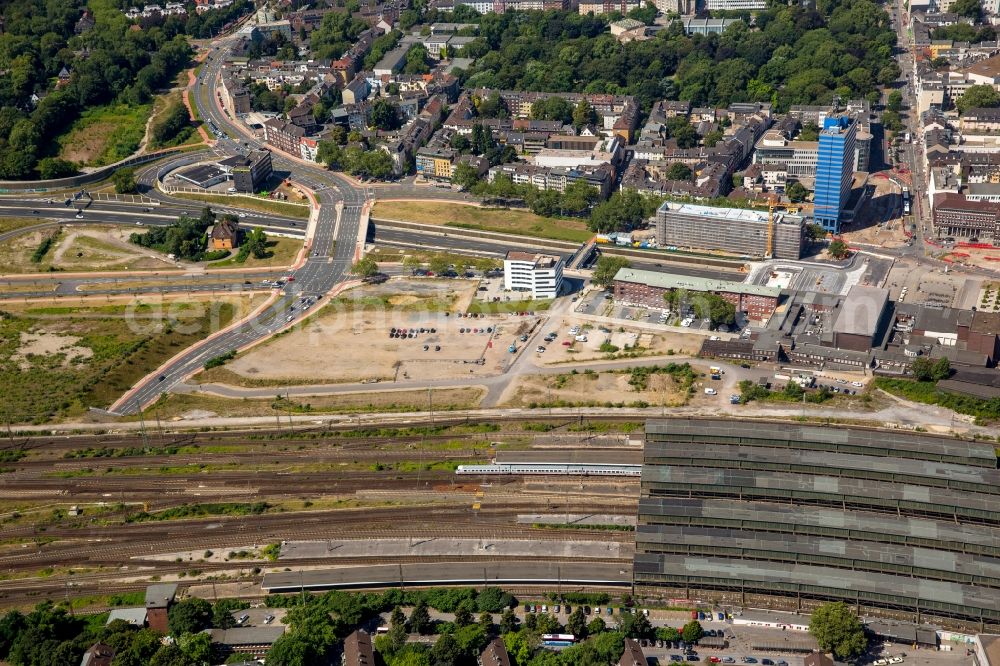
(834, 170)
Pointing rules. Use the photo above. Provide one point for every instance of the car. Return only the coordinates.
(161, 378)
(586, 610)
(711, 391)
(749, 660)
(714, 660)
(858, 384)
(734, 399)
(766, 662)
(540, 349)
(524, 338)
(437, 347)
(79, 216)
(895, 660)
(581, 338)
(841, 381)
(676, 657)
(609, 611)
(289, 318)
(545, 608)
(555, 609)
(567, 343)
(243, 619)
(880, 662)
(782, 662)
(692, 657)
(728, 660)
(597, 611)
(268, 619)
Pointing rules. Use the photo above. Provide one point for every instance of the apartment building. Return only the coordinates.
(648, 289)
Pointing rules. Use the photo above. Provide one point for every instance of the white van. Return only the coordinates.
(581, 338)
(711, 391)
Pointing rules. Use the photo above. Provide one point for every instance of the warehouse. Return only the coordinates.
(733, 230)
(787, 516)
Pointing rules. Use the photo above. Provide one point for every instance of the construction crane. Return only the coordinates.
(772, 203)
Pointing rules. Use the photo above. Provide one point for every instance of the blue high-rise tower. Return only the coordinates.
(834, 171)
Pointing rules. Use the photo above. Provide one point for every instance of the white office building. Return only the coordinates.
(540, 275)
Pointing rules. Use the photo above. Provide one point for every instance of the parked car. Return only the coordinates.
(711, 391)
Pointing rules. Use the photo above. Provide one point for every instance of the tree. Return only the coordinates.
(577, 623)
(692, 631)
(634, 625)
(596, 626)
(197, 649)
(623, 210)
(894, 101)
(420, 618)
(446, 651)
(797, 192)
(713, 138)
(397, 631)
(975, 97)
(838, 249)
(583, 114)
(461, 143)
(222, 612)
(531, 622)
(189, 616)
(463, 614)
(465, 176)
(256, 244)
(815, 232)
(365, 267)
(124, 181)
(715, 308)
(970, 8)
(667, 634)
(926, 370)
(53, 167)
(439, 265)
(678, 171)
(417, 60)
(837, 629)
(606, 269)
(486, 622)
(578, 197)
(548, 624)
(508, 621)
(175, 119)
(385, 115)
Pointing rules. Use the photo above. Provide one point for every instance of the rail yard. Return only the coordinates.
(86, 516)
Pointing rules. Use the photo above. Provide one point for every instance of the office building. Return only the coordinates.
(735, 5)
(734, 230)
(955, 216)
(834, 171)
(788, 516)
(540, 275)
(249, 171)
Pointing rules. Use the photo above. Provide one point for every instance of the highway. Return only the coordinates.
(331, 251)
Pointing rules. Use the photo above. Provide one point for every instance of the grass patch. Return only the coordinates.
(200, 510)
(281, 252)
(569, 526)
(258, 204)
(94, 358)
(482, 307)
(984, 411)
(397, 255)
(466, 216)
(12, 223)
(104, 134)
(444, 399)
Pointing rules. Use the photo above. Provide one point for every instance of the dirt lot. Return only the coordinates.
(349, 340)
(878, 225)
(631, 342)
(969, 256)
(79, 249)
(588, 388)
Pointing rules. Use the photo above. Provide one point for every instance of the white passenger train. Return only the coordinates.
(559, 469)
